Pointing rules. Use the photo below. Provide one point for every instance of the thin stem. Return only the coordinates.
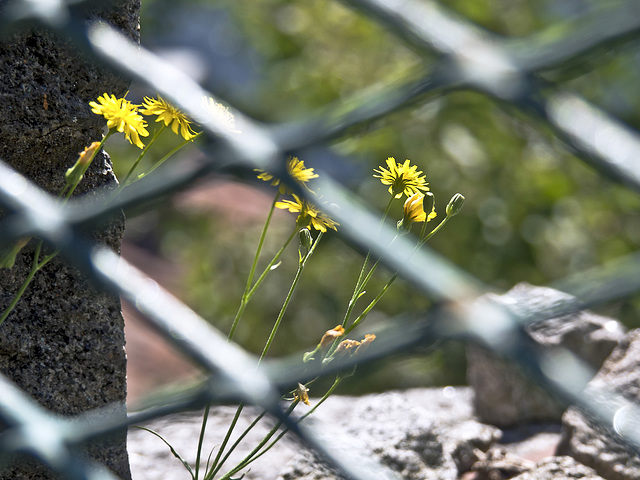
(271, 264)
(25, 284)
(285, 305)
(234, 446)
(252, 455)
(372, 304)
(324, 397)
(125, 182)
(168, 155)
(214, 466)
(248, 290)
(247, 461)
(362, 281)
(203, 428)
(261, 243)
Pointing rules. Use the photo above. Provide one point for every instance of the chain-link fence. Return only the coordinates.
(468, 58)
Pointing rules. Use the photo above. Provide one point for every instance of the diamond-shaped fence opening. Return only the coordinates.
(461, 57)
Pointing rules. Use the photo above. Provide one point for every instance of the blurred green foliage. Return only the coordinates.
(533, 213)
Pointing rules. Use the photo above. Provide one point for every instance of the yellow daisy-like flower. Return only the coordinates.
(170, 115)
(122, 116)
(414, 211)
(296, 169)
(308, 215)
(402, 178)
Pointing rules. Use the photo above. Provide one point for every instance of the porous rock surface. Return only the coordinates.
(64, 342)
(559, 468)
(589, 443)
(503, 396)
(419, 434)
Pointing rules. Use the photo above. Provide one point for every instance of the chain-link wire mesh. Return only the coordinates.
(468, 58)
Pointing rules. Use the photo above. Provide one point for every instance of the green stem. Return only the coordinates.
(213, 471)
(126, 182)
(203, 428)
(215, 466)
(35, 266)
(373, 303)
(248, 290)
(271, 264)
(252, 455)
(250, 459)
(324, 397)
(168, 155)
(362, 281)
(285, 305)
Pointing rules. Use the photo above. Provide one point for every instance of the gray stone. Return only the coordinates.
(559, 468)
(64, 342)
(421, 434)
(503, 396)
(589, 443)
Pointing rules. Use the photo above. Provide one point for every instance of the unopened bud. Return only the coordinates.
(429, 202)
(305, 241)
(75, 173)
(455, 204)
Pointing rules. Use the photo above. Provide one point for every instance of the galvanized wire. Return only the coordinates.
(468, 58)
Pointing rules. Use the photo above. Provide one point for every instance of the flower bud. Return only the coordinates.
(455, 204)
(305, 241)
(75, 173)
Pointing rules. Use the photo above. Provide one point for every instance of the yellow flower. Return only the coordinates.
(122, 116)
(296, 169)
(402, 178)
(308, 215)
(414, 211)
(169, 115)
(219, 110)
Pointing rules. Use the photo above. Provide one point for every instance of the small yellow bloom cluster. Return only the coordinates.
(169, 115)
(402, 178)
(308, 214)
(406, 179)
(124, 117)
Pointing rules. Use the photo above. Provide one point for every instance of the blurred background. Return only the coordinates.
(533, 212)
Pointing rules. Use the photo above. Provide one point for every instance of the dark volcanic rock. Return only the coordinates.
(64, 342)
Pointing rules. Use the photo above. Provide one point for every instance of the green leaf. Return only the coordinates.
(175, 454)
